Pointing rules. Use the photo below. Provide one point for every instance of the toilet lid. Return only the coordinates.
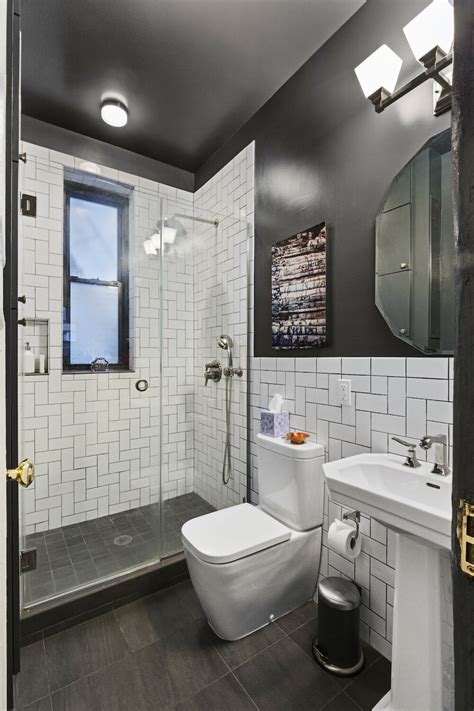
(232, 533)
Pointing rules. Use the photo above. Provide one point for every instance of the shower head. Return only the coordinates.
(227, 344)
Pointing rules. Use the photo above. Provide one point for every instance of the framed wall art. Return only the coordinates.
(299, 303)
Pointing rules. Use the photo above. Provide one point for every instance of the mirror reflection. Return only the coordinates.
(414, 281)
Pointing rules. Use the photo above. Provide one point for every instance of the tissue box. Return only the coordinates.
(274, 424)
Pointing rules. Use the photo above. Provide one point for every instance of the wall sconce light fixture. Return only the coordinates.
(430, 36)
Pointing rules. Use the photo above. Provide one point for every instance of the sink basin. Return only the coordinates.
(406, 500)
(416, 504)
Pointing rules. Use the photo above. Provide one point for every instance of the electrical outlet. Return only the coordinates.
(344, 392)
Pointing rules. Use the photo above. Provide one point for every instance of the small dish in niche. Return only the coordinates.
(297, 437)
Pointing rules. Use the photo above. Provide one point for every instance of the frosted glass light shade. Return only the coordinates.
(156, 240)
(434, 26)
(149, 248)
(114, 113)
(380, 69)
(169, 235)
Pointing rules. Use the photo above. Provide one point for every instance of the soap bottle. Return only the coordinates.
(28, 360)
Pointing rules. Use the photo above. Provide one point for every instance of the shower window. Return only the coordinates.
(96, 271)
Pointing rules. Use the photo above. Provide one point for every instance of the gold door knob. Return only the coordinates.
(24, 474)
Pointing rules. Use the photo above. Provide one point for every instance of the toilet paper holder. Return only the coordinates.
(353, 516)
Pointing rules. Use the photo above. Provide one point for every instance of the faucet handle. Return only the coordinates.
(410, 445)
(212, 371)
(411, 459)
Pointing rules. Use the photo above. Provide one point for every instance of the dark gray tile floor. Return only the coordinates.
(158, 654)
(83, 553)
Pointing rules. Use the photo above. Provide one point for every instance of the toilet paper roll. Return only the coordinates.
(342, 539)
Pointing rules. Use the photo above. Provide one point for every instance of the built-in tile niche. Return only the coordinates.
(37, 335)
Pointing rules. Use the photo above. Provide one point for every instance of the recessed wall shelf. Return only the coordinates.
(36, 333)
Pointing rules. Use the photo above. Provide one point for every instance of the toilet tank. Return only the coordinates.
(291, 481)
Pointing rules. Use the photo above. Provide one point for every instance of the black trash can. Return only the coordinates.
(337, 646)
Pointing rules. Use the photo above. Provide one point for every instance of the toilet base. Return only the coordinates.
(240, 597)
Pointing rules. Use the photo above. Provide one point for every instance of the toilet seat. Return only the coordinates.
(233, 533)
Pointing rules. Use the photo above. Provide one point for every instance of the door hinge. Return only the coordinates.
(465, 534)
(28, 560)
(28, 205)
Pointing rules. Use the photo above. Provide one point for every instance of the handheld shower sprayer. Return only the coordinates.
(227, 344)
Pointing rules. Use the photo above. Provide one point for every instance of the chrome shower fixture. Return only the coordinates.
(227, 344)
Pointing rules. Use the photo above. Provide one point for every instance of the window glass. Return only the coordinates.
(94, 323)
(93, 229)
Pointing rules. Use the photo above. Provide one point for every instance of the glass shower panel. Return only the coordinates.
(205, 296)
(93, 512)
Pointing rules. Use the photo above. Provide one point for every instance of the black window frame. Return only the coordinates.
(105, 197)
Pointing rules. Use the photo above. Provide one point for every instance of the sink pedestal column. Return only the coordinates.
(417, 673)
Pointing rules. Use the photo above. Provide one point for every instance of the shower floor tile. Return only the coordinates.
(85, 552)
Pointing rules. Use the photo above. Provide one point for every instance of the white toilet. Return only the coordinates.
(250, 565)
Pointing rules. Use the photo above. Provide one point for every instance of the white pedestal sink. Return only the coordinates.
(417, 506)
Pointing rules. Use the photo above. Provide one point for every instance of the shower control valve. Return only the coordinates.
(213, 371)
(230, 372)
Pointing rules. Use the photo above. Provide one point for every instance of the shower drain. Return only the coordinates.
(123, 540)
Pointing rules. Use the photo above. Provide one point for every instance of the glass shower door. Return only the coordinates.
(93, 512)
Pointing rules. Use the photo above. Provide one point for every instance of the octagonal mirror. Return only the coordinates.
(414, 281)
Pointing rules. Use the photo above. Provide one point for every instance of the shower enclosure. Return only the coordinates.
(128, 287)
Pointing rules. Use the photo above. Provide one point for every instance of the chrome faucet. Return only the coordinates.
(438, 467)
(411, 460)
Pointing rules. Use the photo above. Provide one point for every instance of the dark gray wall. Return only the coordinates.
(60, 139)
(323, 154)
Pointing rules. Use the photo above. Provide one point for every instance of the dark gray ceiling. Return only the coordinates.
(191, 71)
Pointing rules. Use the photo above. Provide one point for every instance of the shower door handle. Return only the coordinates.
(24, 474)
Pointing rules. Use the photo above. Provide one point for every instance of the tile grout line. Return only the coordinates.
(244, 689)
(46, 663)
(87, 676)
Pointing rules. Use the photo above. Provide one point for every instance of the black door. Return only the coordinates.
(463, 469)
(10, 301)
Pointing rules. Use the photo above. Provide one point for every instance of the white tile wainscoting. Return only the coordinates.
(408, 397)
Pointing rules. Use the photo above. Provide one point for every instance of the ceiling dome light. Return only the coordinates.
(433, 27)
(114, 113)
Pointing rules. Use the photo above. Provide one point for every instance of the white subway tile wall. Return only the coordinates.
(95, 439)
(221, 301)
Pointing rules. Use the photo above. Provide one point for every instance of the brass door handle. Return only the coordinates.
(24, 474)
